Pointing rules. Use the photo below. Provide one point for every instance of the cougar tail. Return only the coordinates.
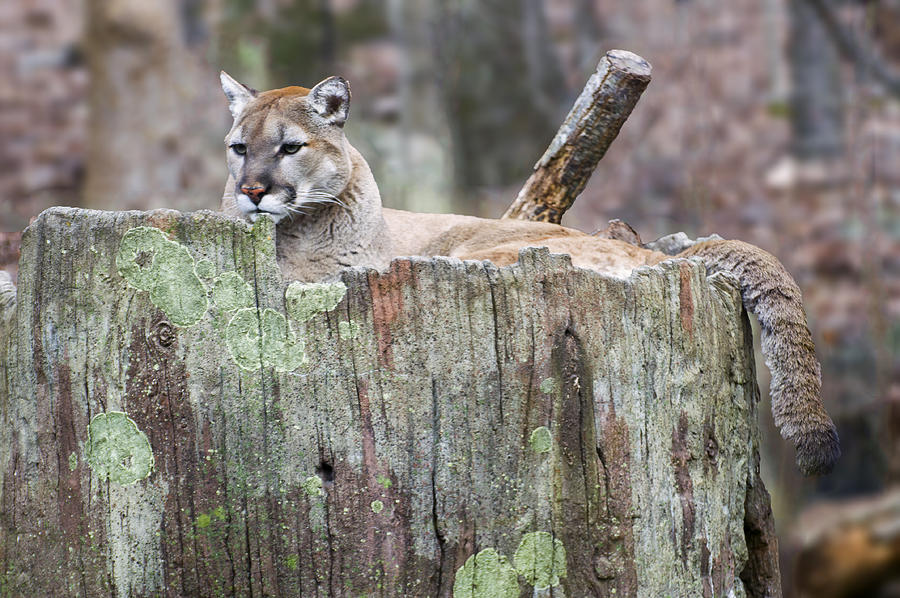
(769, 292)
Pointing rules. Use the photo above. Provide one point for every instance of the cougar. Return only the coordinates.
(288, 158)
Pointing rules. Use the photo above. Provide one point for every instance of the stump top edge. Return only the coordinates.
(155, 215)
(534, 259)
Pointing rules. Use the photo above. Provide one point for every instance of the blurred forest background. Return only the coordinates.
(773, 121)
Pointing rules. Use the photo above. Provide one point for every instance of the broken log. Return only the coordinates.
(590, 128)
(176, 420)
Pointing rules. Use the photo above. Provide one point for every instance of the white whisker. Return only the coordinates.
(294, 209)
(311, 199)
(322, 194)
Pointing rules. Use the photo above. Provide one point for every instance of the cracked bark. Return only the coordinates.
(384, 463)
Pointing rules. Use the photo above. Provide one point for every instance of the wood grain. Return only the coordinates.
(410, 440)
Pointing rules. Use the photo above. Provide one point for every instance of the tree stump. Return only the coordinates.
(178, 421)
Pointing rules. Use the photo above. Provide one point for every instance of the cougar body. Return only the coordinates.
(288, 158)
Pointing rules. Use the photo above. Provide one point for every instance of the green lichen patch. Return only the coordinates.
(292, 562)
(203, 520)
(384, 481)
(230, 292)
(150, 262)
(313, 486)
(73, 461)
(487, 574)
(137, 254)
(348, 330)
(540, 440)
(262, 234)
(377, 506)
(117, 449)
(278, 346)
(282, 349)
(243, 339)
(548, 386)
(304, 300)
(541, 559)
(205, 269)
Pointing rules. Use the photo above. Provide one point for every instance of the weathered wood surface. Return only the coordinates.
(593, 123)
(591, 432)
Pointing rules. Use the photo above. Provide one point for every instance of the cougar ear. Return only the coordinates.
(331, 99)
(238, 94)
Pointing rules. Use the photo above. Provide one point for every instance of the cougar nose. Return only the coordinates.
(254, 192)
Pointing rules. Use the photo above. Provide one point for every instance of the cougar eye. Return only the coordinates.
(291, 148)
(239, 148)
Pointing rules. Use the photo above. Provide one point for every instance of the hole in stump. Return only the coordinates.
(326, 472)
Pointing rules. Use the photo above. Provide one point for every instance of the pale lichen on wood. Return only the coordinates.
(449, 425)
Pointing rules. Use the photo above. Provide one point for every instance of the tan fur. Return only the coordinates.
(355, 230)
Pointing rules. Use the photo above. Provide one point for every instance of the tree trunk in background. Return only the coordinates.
(501, 87)
(132, 48)
(588, 35)
(329, 42)
(147, 102)
(817, 116)
(401, 27)
(444, 428)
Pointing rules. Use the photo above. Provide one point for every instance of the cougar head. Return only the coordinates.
(286, 150)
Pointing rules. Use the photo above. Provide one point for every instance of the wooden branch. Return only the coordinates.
(582, 140)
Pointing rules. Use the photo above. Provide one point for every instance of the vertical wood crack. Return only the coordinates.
(435, 447)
